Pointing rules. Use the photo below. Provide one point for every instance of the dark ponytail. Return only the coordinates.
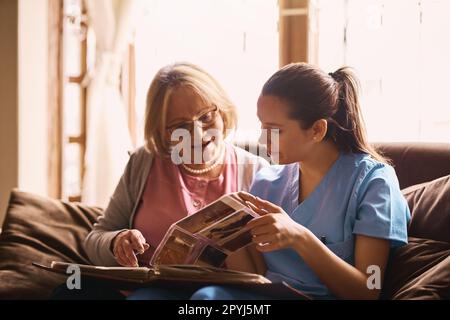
(314, 95)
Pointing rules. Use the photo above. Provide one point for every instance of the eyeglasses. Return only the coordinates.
(205, 120)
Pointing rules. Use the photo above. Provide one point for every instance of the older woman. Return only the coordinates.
(163, 183)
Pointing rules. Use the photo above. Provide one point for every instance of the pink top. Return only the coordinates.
(171, 195)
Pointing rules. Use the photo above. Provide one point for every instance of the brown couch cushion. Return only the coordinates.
(430, 207)
(38, 229)
(419, 270)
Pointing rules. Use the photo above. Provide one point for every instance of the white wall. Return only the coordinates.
(23, 98)
(33, 94)
(8, 102)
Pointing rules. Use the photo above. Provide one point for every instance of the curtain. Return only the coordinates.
(108, 138)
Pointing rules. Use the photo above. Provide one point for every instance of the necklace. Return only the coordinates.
(207, 169)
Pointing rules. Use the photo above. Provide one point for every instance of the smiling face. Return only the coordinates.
(187, 111)
(294, 143)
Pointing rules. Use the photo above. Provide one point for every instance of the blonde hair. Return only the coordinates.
(164, 83)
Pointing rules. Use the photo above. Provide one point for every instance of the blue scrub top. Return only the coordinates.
(358, 195)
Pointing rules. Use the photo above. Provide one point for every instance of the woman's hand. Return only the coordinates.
(274, 230)
(126, 245)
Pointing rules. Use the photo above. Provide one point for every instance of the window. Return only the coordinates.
(71, 61)
(235, 41)
(401, 52)
(76, 41)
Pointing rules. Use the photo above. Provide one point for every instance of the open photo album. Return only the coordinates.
(207, 237)
(192, 254)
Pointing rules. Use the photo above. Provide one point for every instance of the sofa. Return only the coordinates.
(39, 229)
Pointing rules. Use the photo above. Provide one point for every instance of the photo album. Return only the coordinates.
(207, 237)
(192, 254)
(193, 249)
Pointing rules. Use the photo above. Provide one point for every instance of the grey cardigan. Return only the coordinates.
(125, 200)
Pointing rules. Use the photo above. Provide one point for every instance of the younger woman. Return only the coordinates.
(333, 209)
